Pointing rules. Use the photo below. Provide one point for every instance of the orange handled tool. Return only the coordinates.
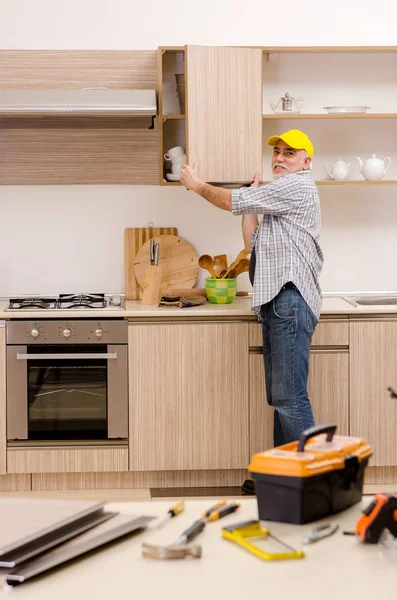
(379, 515)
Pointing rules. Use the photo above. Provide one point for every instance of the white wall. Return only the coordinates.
(70, 238)
(136, 24)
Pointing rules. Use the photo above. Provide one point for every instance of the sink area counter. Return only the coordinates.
(372, 300)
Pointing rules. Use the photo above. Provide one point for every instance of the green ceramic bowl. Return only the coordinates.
(221, 291)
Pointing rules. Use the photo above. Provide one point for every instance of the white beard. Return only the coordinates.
(278, 175)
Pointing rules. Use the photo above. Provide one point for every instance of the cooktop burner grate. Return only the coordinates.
(106, 302)
(37, 302)
(81, 300)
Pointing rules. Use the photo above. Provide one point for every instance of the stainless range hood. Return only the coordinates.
(86, 102)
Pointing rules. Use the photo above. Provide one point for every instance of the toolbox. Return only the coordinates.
(317, 476)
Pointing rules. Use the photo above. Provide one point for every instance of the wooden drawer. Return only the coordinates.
(62, 460)
(329, 332)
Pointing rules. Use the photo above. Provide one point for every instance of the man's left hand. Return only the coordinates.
(255, 182)
(189, 177)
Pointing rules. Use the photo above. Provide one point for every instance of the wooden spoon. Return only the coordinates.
(240, 255)
(207, 262)
(220, 264)
(242, 266)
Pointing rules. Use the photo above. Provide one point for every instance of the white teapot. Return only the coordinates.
(373, 168)
(338, 170)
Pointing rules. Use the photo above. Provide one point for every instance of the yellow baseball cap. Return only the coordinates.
(295, 139)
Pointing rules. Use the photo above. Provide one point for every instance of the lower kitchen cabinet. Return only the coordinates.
(188, 386)
(328, 383)
(373, 368)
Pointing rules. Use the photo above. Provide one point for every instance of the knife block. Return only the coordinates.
(152, 291)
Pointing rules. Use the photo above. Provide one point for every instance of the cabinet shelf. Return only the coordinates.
(334, 116)
(170, 183)
(356, 182)
(328, 49)
(175, 117)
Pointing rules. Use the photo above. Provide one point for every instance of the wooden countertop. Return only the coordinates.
(240, 309)
(339, 567)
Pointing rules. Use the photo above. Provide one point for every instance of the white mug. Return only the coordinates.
(176, 169)
(174, 153)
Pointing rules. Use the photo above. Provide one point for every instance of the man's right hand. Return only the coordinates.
(189, 177)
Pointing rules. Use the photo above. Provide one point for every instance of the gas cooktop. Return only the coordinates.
(68, 301)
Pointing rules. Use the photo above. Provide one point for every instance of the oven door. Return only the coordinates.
(73, 392)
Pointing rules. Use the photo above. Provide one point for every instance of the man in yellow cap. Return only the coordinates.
(288, 261)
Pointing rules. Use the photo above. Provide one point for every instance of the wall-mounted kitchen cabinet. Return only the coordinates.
(229, 97)
(188, 396)
(341, 118)
(219, 118)
(328, 384)
(65, 149)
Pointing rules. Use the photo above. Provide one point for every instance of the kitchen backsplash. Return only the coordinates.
(71, 238)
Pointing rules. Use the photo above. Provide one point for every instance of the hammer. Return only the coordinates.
(180, 549)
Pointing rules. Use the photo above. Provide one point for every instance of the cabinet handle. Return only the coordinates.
(107, 355)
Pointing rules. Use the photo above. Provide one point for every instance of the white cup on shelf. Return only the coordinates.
(174, 153)
(176, 169)
(180, 161)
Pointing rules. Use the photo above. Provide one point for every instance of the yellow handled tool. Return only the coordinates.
(222, 512)
(175, 510)
(240, 532)
(214, 508)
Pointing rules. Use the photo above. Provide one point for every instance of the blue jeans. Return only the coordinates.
(288, 325)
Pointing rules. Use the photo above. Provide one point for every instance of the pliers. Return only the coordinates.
(320, 532)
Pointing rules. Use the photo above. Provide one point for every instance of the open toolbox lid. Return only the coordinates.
(318, 451)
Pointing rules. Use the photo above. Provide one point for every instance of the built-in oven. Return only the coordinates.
(67, 380)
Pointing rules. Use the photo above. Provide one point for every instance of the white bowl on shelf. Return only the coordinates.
(173, 176)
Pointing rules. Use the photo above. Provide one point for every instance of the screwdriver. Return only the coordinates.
(222, 512)
(218, 505)
(210, 515)
(175, 510)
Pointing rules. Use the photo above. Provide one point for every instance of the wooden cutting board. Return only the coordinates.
(178, 259)
(134, 238)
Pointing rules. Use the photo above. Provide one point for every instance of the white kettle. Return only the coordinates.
(338, 170)
(373, 168)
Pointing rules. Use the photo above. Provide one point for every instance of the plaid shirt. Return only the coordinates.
(286, 241)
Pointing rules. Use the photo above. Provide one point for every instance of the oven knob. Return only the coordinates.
(99, 332)
(66, 333)
(35, 333)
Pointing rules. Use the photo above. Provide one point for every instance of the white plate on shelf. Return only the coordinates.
(172, 177)
(333, 110)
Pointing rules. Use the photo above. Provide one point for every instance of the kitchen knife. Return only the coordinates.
(152, 249)
(156, 254)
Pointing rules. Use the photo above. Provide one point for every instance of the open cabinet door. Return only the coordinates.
(224, 93)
